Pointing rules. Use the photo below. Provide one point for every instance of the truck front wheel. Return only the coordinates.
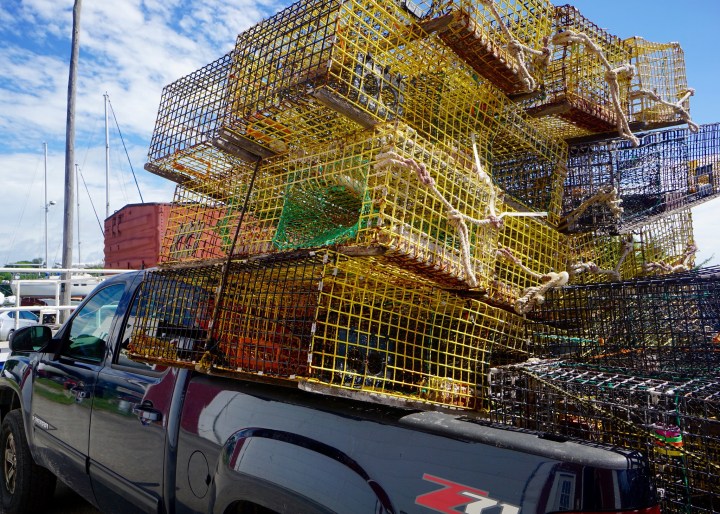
(25, 486)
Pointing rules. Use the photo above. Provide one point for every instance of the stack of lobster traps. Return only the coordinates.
(405, 201)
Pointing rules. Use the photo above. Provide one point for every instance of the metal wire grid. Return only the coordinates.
(171, 315)
(530, 248)
(608, 253)
(352, 323)
(667, 324)
(674, 422)
(660, 69)
(380, 330)
(184, 143)
(671, 169)
(203, 219)
(471, 29)
(660, 246)
(348, 194)
(576, 95)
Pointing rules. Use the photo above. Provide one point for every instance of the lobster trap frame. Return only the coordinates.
(669, 170)
(660, 246)
(666, 324)
(577, 97)
(346, 323)
(659, 94)
(505, 42)
(673, 421)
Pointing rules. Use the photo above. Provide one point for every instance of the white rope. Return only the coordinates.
(518, 49)
(683, 265)
(591, 267)
(677, 106)
(388, 158)
(535, 295)
(607, 195)
(568, 37)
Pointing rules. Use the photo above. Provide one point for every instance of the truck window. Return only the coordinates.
(91, 325)
(167, 310)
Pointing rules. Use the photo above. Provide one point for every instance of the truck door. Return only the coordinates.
(129, 428)
(64, 385)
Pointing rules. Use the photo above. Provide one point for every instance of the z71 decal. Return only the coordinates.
(453, 498)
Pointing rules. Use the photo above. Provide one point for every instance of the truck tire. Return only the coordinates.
(25, 486)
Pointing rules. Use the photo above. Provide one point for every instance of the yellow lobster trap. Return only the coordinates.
(189, 142)
(505, 42)
(324, 319)
(387, 191)
(587, 80)
(658, 247)
(659, 93)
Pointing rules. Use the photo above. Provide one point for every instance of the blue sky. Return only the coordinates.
(132, 48)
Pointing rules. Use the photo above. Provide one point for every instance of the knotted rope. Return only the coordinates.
(591, 267)
(677, 106)
(568, 37)
(683, 265)
(518, 49)
(534, 295)
(606, 194)
(460, 221)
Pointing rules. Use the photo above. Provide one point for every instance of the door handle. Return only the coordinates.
(147, 413)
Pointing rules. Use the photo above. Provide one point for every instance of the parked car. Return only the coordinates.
(8, 325)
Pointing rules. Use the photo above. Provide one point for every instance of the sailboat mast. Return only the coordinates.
(47, 265)
(107, 159)
(77, 212)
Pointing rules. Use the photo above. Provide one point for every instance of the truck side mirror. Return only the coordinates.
(31, 339)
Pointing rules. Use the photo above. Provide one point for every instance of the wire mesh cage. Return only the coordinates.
(365, 61)
(187, 142)
(368, 191)
(674, 422)
(586, 84)
(531, 254)
(659, 94)
(348, 323)
(665, 324)
(529, 164)
(433, 346)
(505, 42)
(660, 246)
(669, 170)
(204, 217)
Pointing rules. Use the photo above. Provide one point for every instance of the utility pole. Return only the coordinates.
(70, 158)
(77, 211)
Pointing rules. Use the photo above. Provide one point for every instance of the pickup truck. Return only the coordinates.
(130, 436)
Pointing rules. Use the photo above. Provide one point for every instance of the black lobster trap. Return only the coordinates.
(669, 170)
(673, 421)
(652, 325)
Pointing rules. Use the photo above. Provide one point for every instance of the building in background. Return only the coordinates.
(133, 235)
